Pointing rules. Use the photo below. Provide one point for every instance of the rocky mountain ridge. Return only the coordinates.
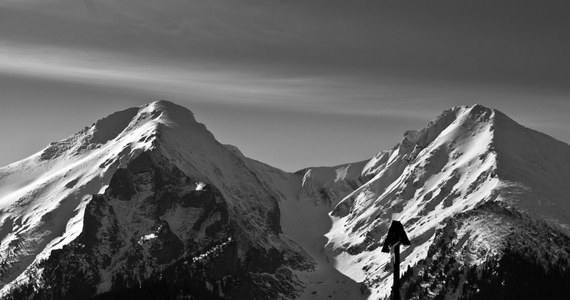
(147, 199)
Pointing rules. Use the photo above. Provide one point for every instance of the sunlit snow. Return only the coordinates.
(200, 186)
(337, 215)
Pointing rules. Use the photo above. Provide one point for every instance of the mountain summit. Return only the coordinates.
(147, 202)
(466, 157)
(142, 193)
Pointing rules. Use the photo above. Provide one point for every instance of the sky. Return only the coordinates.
(291, 83)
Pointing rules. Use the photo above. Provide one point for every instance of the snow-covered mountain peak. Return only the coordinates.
(175, 128)
(156, 157)
(135, 126)
(433, 173)
(466, 156)
(168, 114)
(461, 131)
(149, 191)
(459, 115)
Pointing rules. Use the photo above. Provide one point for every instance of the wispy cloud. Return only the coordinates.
(317, 94)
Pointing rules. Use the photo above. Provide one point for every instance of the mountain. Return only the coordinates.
(147, 204)
(466, 157)
(134, 195)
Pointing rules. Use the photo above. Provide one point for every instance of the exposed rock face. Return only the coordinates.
(150, 217)
(166, 205)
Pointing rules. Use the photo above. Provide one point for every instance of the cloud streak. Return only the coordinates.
(515, 43)
(318, 94)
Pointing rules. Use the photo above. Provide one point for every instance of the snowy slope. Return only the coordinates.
(143, 175)
(534, 170)
(43, 197)
(467, 156)
(148, 192)
(305, 202)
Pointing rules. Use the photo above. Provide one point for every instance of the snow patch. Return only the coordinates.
(147, 237)
(212, 251)
(200, 186)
